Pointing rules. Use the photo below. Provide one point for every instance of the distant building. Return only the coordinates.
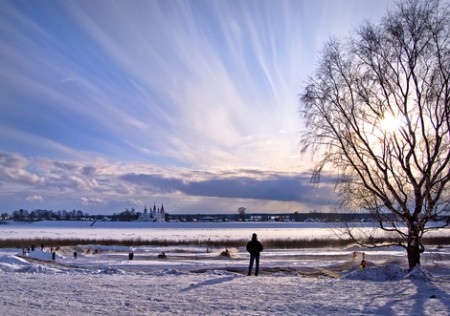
(153, 215)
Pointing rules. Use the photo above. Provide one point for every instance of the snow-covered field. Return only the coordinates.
(199, 281)
(170, 231)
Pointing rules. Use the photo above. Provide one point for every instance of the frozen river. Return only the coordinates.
(164, 231)
(175, 231)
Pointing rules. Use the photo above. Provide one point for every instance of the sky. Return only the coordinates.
(108, 105)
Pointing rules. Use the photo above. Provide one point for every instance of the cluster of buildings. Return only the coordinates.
(153, 214)
(272, 217)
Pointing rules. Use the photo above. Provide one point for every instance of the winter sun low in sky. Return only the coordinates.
(107, 105)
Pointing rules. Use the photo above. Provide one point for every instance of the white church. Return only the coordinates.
(153, 215)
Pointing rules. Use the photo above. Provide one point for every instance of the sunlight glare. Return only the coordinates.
(390, 123)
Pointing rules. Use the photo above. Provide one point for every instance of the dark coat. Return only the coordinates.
(254, 247)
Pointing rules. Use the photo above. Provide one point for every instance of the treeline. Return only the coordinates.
(126, 216)
(23, 215)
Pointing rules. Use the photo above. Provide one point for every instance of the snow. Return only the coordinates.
(163, 231)
(192, 281)
(388, 272)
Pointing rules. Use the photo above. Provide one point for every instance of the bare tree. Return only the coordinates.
(241, 210)
(377, 111)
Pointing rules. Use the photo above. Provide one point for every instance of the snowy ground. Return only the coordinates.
(192, 281)
(167, 231)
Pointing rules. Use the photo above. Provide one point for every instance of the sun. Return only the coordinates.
(390, 123)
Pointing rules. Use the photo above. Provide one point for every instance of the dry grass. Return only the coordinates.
(268, 243)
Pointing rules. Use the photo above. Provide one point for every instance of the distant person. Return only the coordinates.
(254, 247)
(363, 262)
(162, 255)
(75, 254)
(53, 255)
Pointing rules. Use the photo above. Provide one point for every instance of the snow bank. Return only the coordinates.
(223, 273)
(112, 271)
(168, 271)
(37, 268)
(11, 263)
(418, 274)
(389, 272)
(285, 274)
(42, 255)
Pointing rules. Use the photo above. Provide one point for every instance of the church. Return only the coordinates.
(153, 215)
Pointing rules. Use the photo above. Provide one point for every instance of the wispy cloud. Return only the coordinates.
(176, 85)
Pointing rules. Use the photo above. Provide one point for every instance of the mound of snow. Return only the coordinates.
(390, 272)
(223, 272)
(37, 268)
(12, 263)
(168, 271)
(285, 274)
(418, 274)
(112, 271)
(43, 255)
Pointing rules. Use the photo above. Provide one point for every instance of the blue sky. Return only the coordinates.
(107, 105)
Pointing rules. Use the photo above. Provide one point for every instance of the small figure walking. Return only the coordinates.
(53, 255)
(254, 247)
(75, 254)
(130, 256)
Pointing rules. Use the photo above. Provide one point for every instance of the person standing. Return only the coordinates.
(254, 247)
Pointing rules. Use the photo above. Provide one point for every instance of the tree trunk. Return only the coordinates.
(413, 251)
